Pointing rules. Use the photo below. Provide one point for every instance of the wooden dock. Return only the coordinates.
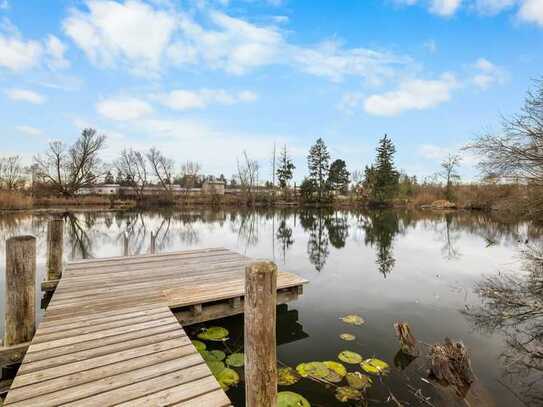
(111, 333)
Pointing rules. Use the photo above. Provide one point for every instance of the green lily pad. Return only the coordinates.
(215, 366)
(314, 369)
(347, 337)
(199, 345)
(235, 360)
(291, 399)
(332, 377)
(215, 355)
(227, 378)
(375, 366)
(353, 319)
(214, 333)
(358, 380)
(336, 367)
(287, 376)
(346, 393)
(350, 357)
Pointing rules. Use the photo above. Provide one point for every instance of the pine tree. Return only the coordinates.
(285, 172)
(318, 162)
(385, 178)
(339, 177)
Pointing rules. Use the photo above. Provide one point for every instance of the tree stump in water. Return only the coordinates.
(408, 343)
(451, 365)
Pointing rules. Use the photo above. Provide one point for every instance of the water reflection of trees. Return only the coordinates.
(284, 234)
(381, 227)
(513, 304)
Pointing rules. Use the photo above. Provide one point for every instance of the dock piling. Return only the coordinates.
(20, 306)
(55, 247)
(260, 339)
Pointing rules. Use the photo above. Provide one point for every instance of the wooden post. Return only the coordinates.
(20, 307)
(125, 244)
(260, 341)
(55, 246)
(153, 243)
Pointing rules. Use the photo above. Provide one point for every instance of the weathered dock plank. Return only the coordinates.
(110, 336)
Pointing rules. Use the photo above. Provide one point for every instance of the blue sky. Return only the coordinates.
(205, 80)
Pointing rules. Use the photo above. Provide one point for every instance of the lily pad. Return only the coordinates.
(314, 369)
(353, 319)
(350, 357)
(358, 380)
(235, 360)
(199, 345)
(215, 355)
(336, 367)
(214, 333)
(375, 366)
(287, 376)
(346, 393)
(291, 399)
(347, 337)
(332, 377)
(227, 377)
(215, 366)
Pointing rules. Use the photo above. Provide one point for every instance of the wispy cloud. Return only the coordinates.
(25, 95)
(182, 99)
(122, 109)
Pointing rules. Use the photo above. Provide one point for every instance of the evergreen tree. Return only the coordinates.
(339, 177)
(109, 179)
(285, 172)
(318, 162)
(382, 176)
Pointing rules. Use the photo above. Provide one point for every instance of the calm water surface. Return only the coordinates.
(382, 265)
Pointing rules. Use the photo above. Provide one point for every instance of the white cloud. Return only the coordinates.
(133, 33)
(55, 50)
(181, 99)
(414, 94)
(444, 8)
(147, 39)
(25, 95)
(492, 7)
(123, 109)
(16, 54)
(29, 130)
(488, 74)
(531, 11)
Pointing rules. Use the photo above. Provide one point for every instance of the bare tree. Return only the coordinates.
(247, 173)
(449, 174)
(162, 167)
(11, 172)
(190, 170)
(516, 152)
(133, 167)
(69, 169)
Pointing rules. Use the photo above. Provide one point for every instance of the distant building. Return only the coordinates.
(209, 187)
(213, 186)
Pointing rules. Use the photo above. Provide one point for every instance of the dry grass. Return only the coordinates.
(14, 200)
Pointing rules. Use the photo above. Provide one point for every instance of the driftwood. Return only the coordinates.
(408, 343)
(451, 365)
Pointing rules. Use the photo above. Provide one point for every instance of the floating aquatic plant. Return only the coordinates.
(347, 337)
(215, 366)
(314, 369)
(353, 319)
(227, 377)
(291, 399)
(235, 360)
(199, 345)
(346, 393)
(350, 357)
(358, 380)
(375, 366)
(287, 376)
(336, 367)
(214, 333)
(213, 355)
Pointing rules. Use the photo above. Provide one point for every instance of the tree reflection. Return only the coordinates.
(284, 235)
(338, 229)
(314, 223)
(78, 237)
(380, 227)
(514, 304)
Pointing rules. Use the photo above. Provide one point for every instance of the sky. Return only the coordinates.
(204, 80)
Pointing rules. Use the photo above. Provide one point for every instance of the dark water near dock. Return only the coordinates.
(385, 266)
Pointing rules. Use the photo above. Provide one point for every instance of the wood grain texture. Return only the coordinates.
(109, 336)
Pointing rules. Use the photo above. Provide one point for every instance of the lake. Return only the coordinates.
(385, 266)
